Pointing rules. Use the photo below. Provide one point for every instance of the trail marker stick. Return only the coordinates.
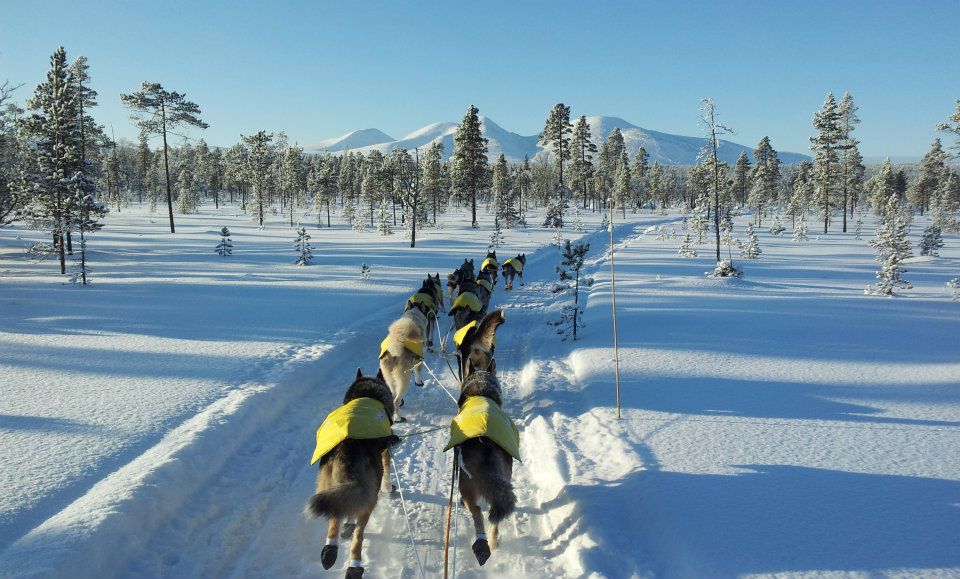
(613, 292)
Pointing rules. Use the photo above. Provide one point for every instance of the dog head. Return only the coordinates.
(522, 258)
(476, 350)
(371, 387)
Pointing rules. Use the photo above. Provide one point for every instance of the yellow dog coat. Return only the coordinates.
(422, 298)
(362, 418)
(480, 416)
(415, 346)
(467, 300)
(486, 284)
(516, 264)
(460, 335)
(489, 262)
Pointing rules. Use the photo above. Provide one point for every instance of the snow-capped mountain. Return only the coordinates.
(663, 148)
(352, 140)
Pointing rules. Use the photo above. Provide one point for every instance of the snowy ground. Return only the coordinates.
(160, 422)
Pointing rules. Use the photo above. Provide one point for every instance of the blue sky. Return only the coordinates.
(319, 69)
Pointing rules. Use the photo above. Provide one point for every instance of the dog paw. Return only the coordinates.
(401, 403)
(394, 493)
(399, 419)
(346, 531)
(354, 572)
(420, 384)
(482, 550)
(328, 556)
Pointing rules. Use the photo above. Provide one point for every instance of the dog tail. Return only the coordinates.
(342, 500)
(501, 497)
(400, 330)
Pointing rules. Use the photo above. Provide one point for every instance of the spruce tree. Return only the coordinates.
(433, 181)
(932, 241)
(741, 180)
(764, 179)
(801, 230)
(225, 247)
(572, 255)
(657, 186)
(469, 163)
(302, 245)
(505, 210)
(158, 111)
(953, 126)
(892, 248)
(800, 192)
(639, 173)
(828, 123)
(622, 183)
(686, 247)
(11, 198)
(923, 190)
(751, 249)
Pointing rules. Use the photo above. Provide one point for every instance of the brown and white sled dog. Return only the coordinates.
(354, 471)
(513, 267)
(486, 468)
(400, 355)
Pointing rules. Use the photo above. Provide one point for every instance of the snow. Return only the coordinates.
(159, 423)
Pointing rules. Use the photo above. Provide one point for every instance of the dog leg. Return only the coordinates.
(471, 499)
(385, 485)
(328, 556)
(347, 527)
(418, 377)
(355, 570)
(494, 535)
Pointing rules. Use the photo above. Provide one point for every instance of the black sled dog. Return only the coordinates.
(353, 450)
(484, 438)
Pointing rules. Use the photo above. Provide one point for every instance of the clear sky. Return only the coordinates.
(318, 69)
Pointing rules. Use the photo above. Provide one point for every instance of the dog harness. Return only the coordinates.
(486, 284)
(467, 300)
(516, 264)
(481, 416)
(491, 262)
(360, 419)
(420, 298)
(414, 346)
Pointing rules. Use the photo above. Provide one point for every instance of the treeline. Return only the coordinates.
(60, 171)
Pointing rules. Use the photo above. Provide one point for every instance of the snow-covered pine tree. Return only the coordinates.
(698, 221)
(577, 220)
(496, 236)
(657, 186)
(932, 241)
(468, 171)
(764, 180)
(954, 284)
(892, 248)
(186, 195)
(827, 122)
(571, 320)
(777, 227)
(556, 134)
(639, 173)
(302, 245)
(851, 162)
(713, 129)
(505, 210)
(726, 232)
(434, 181)
(604, 222)
(952, 125)
(364, 271)
(225, 247)
(741, 180)
(257, 169)
(622, 183)
(686, 247)
(383, 223)
(800, 230)
(357, 221)
(800, 192)
(751, 249)
(661, 233)
(558, 237)
(858, 224)
(583, 148)
(948, 203)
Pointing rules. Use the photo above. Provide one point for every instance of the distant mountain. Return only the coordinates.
(352, 140)
(663, 148)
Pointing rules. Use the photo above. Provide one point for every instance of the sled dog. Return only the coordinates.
(513, 267)
(484, 436)
(429, 300)
(400, 355)
(490, 264)
(463, 273)
(352, 449)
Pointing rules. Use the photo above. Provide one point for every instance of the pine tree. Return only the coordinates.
(364, 271)
(572, 255)
(581, 168)
(12, 200)
(433, 182)
(800, 192)
(54, 174)
(858, 224)
(800, 231)
(777, 228)
(257, 169)
(225, 247)
(698, 221)
(505, 211)
(621, 183)
(954, 284)
(556, 133)
(892, 248)
(925, 186)
(953, 126)
(469, 170)
(577, 220)
(882, 187)
(302, 245)
(932, 241)
(714, 129)
(751, 249)
(764, 179)
(639, 173)
(162, 111)
(851, 163)
(741, 179)
(657, 186)
(828, 123)
(686, 247)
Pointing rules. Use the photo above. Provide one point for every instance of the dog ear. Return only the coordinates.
(380, 375)
(359, 374)
(488, 328)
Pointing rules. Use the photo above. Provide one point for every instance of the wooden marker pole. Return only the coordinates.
(613, 292)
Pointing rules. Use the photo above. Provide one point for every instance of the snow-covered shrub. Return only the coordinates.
(954, 284)
(751, 249)
(725, 269)
(571, 318)
(777, 228)
(686, 247)
(892, 248)
(364, 271)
